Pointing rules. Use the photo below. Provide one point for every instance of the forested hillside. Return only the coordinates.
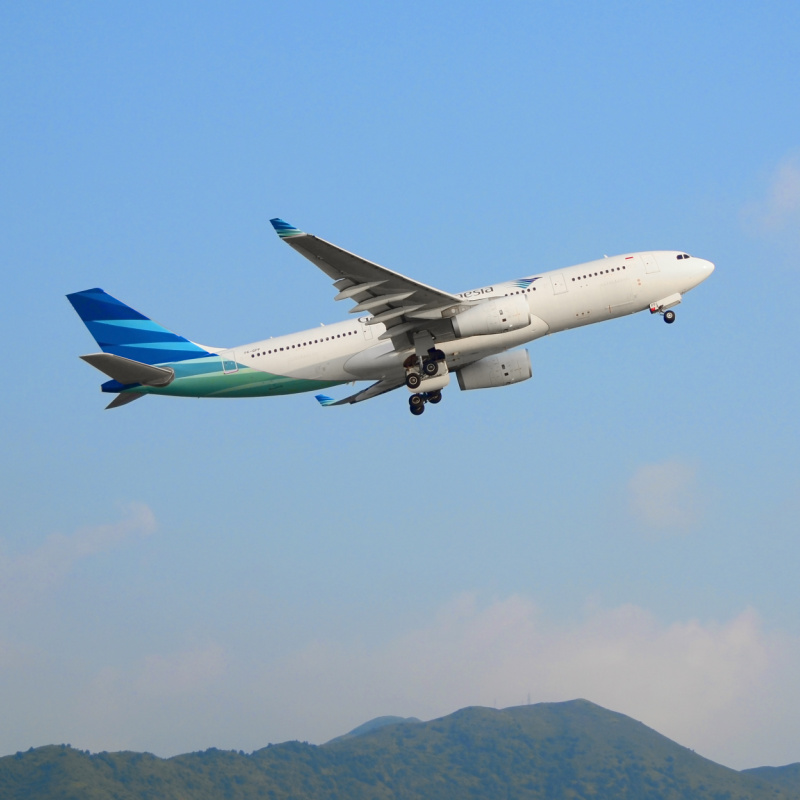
(550, 750)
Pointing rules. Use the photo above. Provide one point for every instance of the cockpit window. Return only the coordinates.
(683, 255)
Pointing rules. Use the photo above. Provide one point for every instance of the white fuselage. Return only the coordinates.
(558, 300)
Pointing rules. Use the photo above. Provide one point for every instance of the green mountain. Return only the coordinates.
(373, 725)
(551, 750)
(787, 777)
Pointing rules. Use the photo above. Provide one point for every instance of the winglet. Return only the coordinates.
(324, 400)
(284, 229)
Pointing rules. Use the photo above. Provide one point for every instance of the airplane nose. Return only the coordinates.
(702, 268)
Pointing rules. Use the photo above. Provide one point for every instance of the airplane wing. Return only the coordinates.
(403, 305)
(381, 387)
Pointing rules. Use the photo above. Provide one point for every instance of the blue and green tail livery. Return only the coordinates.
(120, 330)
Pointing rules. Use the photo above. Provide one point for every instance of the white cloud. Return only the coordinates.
(665, 496)
(28, 575)
(726, 689)
(779, 209)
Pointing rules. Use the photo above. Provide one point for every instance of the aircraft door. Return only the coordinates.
(229, 364)
(559, 286)
(650, 263)
(366, 328)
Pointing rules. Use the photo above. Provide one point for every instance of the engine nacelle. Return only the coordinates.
(493, 316)
(500, 370)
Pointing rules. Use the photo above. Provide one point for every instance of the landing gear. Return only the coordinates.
(416, 403)
(662, 307)
(413, 380)
(426, 369)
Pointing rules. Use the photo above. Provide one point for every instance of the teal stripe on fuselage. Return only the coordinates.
(205, 378)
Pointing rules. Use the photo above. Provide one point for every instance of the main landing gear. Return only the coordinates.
(416, 403)
(429, 373)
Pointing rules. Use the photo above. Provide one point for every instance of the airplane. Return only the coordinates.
(402, 333)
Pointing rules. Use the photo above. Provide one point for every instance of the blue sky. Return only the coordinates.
(180, 574)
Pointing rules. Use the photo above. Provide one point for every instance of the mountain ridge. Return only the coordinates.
(550, 750)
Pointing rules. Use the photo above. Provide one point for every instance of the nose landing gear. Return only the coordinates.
(663, 307)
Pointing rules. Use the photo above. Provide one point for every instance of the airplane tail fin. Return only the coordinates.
(121, 331)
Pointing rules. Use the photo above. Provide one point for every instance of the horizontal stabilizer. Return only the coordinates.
(123, 398)
(127, 371)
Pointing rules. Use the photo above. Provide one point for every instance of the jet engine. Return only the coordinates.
(500, 370)
(493, 316)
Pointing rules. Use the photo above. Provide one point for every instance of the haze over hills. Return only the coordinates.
(551, 750)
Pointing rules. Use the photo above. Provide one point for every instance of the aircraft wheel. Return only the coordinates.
(413, 380)
(430, 368)
(417, 410)
(416, 401)
(435, 397)
(669, 317)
